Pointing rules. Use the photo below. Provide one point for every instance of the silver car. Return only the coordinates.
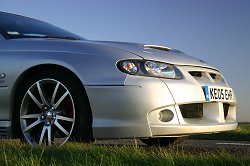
(56, 86)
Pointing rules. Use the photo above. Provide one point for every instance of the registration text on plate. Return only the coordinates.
(213, 93)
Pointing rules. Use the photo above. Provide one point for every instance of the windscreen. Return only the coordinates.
(15, 27)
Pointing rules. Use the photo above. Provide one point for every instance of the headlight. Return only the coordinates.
(149, 68)
(160, 69)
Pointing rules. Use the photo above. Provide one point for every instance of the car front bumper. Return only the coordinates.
(132, 110)
(189, 129)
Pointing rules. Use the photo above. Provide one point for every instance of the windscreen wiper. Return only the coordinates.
(58, 37)
(47, 37)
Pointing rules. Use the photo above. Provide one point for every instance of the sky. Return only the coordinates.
(217, 31)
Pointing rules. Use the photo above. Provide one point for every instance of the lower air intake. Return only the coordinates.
(3, 132)
(191, 110)
(226, 108)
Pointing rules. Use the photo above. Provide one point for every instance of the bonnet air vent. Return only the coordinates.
(162, 48)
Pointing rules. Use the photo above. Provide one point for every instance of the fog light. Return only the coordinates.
(166, 115)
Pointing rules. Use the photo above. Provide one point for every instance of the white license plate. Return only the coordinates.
(213, 93)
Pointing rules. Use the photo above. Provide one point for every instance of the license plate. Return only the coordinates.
(213, 93)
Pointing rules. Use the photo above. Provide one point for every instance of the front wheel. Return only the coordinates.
(52, 110)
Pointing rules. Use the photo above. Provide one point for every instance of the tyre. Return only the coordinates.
(52, 108)
(166, 141)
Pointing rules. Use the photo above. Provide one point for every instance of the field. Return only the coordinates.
(12, 152)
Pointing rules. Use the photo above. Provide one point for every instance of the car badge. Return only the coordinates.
(2, 75)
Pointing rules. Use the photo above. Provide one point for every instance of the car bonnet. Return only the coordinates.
(158, 53)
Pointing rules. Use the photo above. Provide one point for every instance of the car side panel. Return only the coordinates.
(89, 68)
(10, 66)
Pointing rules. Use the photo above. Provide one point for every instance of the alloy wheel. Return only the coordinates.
(47, 113)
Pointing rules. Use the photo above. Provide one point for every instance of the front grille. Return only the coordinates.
(216, 77)
(226, 108)
(206, 76)
(191, 110)
(196, 73)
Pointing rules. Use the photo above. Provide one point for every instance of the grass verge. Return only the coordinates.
(15, 153)
(242, 133)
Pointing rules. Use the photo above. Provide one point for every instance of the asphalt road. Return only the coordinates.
(188, 145)
(195, 146)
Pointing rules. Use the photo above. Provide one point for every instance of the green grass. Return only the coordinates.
(242, 133)
(15, 153)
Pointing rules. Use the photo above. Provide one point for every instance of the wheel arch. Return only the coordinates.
(33, 70)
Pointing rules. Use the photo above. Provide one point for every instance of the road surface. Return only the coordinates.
(196, 146)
